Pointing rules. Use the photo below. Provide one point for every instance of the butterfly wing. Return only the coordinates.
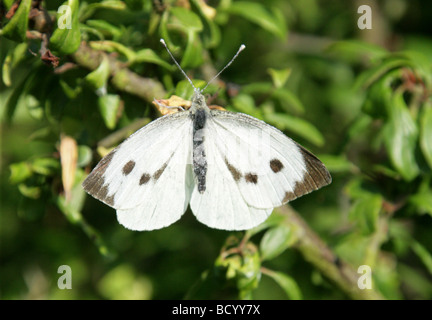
(221, 205)
(146, 177)
(269, 168)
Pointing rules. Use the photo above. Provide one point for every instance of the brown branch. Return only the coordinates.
(122, 78)
(316, 252)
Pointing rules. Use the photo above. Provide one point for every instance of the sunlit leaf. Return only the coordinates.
(296, 125)
(20, 171)
(109, 105)
(275, 241)
(105, 28)
(66, 39)
(336, 163)
(269, 19)
(32, 192)
(192, 56)
(187, 19)
(401, 135)
(113, 46)
(148, 55)
(99, 77)
(279, 76)
(426, 132)
(423, 201)
(16, 28)
(45, 166)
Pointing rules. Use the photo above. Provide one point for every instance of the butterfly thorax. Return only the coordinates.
(199, 114)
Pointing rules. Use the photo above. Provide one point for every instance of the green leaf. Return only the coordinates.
(296, 125)
(90, 9)
(148, 55)
(422, 201)
(109, 105)
(99, 77)
(287, 283)
(66, 39)
(187, 19)
(258, 88)
(19, 172)
(274, 219)
(336, 163)
(193, 54)
(70, 92)
(365, 212)
(400, 134)
(16, 28)
(423, 254)
(185, 90)
(246, 104)
(32, 192)
(84, 156)
(279, 77)
(368, 77)
(356, 51)
(45, 166)
(275, 241)
(211, 34)
(271, 20)
(378, 103)
(113, 46)
(426, 132)
(105, 28)
(288, 101)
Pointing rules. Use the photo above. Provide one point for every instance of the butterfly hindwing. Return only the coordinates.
(145, 177)
(269, 168)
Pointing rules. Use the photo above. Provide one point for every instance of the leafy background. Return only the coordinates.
(359, 99)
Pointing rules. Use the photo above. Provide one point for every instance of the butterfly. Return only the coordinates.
(231, 168)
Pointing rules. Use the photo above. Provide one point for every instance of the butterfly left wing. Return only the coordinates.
(146, 177)
(269, 168)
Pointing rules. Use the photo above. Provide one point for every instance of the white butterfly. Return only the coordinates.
(231, 168)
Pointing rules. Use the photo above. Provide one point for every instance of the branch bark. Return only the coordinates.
(316, 252)
(122, 78)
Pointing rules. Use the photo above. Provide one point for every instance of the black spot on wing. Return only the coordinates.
(144, 179)
(234, 172)
(251, 178)
(128, 167)
(276, 165)
(159, 172)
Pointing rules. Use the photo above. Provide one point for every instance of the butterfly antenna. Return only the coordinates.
(242, 47)
(172, 57)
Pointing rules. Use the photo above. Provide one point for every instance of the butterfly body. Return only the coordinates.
(199, 114)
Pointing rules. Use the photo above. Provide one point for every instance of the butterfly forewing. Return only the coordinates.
(269, 168)
(145, 178)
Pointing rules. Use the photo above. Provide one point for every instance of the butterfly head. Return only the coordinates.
(198, 92)
(198, 100)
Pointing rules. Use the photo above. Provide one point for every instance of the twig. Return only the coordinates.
(122, 78)
(320, 255)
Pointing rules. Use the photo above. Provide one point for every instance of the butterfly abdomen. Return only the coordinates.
(199, 157)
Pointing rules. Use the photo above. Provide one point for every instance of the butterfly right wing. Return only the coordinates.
(147, 177)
